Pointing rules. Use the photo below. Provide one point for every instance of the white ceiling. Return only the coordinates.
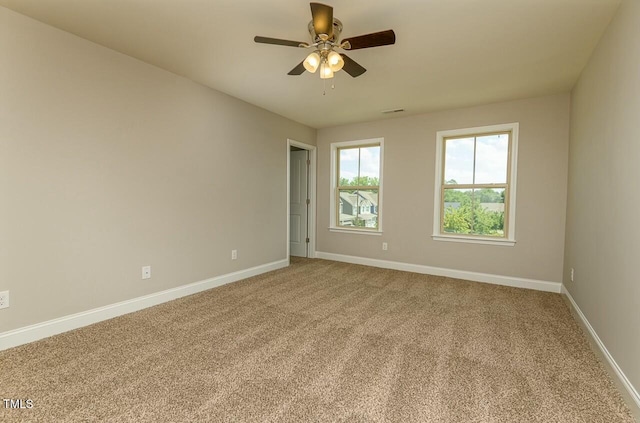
(448, 53)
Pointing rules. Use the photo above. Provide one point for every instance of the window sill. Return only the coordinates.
(356, 231)
(475, 240)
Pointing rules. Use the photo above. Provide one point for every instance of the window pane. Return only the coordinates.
(475, 212)
(458, 162)
(358, 166)
(370, 166)
(367, 209)
(492, 155)
(348, 171)
(458, 218)
(348, 208)
(359, 208)
(488, 212)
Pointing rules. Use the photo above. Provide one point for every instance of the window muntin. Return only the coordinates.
(475, 184)
(357, 185)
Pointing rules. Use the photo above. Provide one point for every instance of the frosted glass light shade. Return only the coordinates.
(325, 71)
(312, 62)
(335, 61)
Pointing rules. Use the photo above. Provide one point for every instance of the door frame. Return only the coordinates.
(311, 229)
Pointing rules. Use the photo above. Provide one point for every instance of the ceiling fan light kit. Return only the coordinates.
(328, 63)
(325, 33)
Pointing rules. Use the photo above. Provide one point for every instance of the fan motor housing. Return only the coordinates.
(337, 30)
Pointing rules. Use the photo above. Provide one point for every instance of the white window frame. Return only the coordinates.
(333, 225)
(438, 235)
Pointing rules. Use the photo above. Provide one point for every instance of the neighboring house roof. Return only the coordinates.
(348, 198)
(495, 207)
(452, 204)
(369, 196)
(366, 200)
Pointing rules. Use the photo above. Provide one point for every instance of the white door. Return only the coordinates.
(298, 208)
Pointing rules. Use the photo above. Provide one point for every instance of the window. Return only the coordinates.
(356, 189)
(475, 185)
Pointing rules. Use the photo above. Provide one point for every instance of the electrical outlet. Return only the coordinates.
(384, 246)
(234, 254)
(572, 274)
(4, 299)
(146, 272)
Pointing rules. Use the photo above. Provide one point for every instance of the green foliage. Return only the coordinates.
(457, 220)
(487, 195)
(466, 215)
(367, 181)
(454, 196)
(358, 221)
(484, 195)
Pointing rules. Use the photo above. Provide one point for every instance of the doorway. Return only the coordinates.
(300, 199)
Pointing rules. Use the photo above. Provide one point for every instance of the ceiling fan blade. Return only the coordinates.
(322, 19)
(352, 67)
(277, 41)
(376, 39)
(298, 70)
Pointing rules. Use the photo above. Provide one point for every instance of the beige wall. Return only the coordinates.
(603, 235)
(108, 164)
(409, 159)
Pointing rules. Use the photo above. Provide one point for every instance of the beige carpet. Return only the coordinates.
(322, 341)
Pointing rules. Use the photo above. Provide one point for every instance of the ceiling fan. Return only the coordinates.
(325, 39)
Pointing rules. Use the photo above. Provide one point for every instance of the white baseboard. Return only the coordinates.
(452, 273)
(633, 393)
(37, 331)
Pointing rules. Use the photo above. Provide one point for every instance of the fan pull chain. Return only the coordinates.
(324, 85)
